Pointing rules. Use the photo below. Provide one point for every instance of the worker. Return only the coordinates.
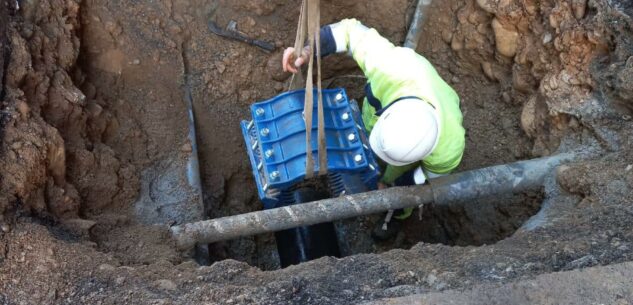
(411, 114)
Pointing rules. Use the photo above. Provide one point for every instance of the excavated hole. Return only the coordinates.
(489, 142)
(148, 120)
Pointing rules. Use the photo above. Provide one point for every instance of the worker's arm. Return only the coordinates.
(342, 37)
(393, 173)
(348, 35)
(415, 176)
(362, 43)
(365, 45)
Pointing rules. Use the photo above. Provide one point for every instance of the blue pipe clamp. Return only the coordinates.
(276, 143)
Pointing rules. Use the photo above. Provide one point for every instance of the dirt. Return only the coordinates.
(93, 109)
(608, 285)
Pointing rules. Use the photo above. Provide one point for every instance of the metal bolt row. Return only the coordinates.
(269, 153)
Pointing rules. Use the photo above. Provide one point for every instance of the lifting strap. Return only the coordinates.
(309, 28)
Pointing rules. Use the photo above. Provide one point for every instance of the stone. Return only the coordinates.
(506, 97)
(522, 81)
(547, 38)
(166, 285)
(275, 69)
(482, 28)
(447, 35)
(506, 39)
(579, 7)
(528, 117)
(488, 5)
(186, 148)
(106, 267)
(221, 67)
(23, 109)
(488, 71)
(583, 262)
(457, 43)
(78, 226)
(431, 279)
(553, 82)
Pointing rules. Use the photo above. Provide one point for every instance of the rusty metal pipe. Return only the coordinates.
(501, 179)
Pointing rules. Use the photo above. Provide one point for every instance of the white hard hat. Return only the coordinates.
(406, 132)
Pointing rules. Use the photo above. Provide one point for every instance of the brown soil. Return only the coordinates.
(93, 108)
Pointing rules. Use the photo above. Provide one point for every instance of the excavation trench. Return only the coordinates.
(133, 69)
(94, 120)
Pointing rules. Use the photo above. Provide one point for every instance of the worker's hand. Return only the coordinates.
(291, 63)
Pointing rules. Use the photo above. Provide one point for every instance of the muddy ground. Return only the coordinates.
(93, 107)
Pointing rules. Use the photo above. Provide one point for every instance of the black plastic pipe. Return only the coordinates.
(302, 244)
(465, 186)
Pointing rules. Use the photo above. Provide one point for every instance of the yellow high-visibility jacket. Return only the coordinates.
(395, 72)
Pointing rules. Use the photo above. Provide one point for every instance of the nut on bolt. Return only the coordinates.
(339, 97)
(269, 153)
(352, 137)
(274, 175)
(264, 132)
(358, 158)
(260, 111)
(345, 116)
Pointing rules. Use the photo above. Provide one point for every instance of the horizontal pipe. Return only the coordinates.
(502, 179)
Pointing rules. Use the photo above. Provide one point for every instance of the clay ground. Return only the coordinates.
(93, 108)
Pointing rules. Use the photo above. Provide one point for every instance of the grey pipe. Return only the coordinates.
(415, 29)
(193, 163)
(511, 178)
